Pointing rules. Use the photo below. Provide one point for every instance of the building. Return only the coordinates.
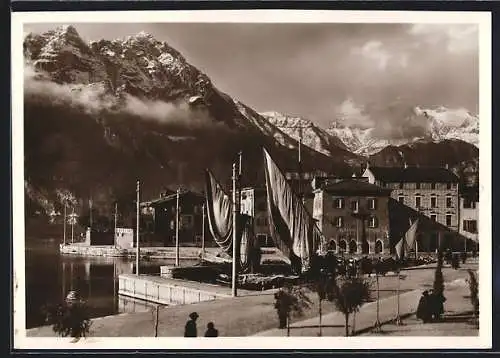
(254, 204)
(430, 191)
(159, 218)
(348, 210)
(469, 212)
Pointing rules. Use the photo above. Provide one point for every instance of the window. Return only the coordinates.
(383, 184)
(433, 202)
(448, 186)
(448, 202)
(401, 185)
(418, 201)
(470, 226)
(401, 199)
(372, 203)
(417, 185)
(448, 220)
(339, 221)
(469, 204)
(433, 186)
(433, 217)
(338, 203)
(186, 221)
(354, 205)
(373, 222)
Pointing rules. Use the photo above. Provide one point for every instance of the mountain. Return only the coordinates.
(433, 124)
(457, 155)
(312, 136)
(100, 115)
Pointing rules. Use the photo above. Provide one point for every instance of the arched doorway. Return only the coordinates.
(353, 247)
(332, 246)
(365, 247)
(343, 246)
(379, 246)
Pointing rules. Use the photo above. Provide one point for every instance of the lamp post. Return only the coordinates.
(203, 232)
(235, 212)
(177, 229)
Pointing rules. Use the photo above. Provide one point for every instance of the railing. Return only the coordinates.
(163, 293)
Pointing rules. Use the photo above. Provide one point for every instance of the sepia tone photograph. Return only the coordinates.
(251, 179)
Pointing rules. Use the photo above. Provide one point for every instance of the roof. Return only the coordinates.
(355, 187)
(414, 175)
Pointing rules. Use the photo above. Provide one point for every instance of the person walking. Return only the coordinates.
(190, 329)
(211, 331)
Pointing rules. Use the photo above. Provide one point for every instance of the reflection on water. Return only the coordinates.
(49, 277)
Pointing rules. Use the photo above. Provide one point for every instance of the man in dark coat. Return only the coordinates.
(282, 307)
(190, 328)
(211, 331)
(423, 310)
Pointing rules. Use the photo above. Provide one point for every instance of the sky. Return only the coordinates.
(324, 71)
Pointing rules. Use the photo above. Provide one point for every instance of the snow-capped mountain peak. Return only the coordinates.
(439, 123)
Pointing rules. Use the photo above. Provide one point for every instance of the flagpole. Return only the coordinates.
(72, 225)
(177, 229)
(64, 225)
(203, 233)
(138, 250)
(116, 219)
(234, 272)
(378, 325)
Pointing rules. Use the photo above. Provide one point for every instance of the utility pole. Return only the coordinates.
(203, 232)
(177, 229)
(234, 271)
(138, 250)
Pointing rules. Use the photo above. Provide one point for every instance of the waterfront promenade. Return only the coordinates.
(255, 315)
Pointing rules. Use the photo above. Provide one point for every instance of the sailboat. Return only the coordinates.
(293, 229)
(407, 242)
(219, 211)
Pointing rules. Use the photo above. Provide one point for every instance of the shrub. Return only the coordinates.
(69, 319)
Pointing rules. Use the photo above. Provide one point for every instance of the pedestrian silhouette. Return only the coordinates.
(424, 309)
(190, 328)
(211, 331)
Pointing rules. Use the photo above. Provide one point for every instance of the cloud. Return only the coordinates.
(351, 114)
(382, 57)
(95, 99)
(457, 38)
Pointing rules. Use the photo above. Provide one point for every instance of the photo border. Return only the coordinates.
(483, 19)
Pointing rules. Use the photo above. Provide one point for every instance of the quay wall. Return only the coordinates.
(149, 252)
(165, 291)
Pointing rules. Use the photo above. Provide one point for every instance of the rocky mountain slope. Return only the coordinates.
(100, 115)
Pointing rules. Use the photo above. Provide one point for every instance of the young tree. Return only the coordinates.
(438, 288)
(290, 300)
(474, 292)
(350, 294)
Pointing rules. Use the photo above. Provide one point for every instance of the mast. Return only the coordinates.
(234, 271)
(138, 250)
(177, 229)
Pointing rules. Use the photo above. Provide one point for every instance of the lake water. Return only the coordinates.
(50, 276)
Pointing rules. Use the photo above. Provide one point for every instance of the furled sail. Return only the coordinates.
(292, 227)
(408, 242)
(220, 219)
